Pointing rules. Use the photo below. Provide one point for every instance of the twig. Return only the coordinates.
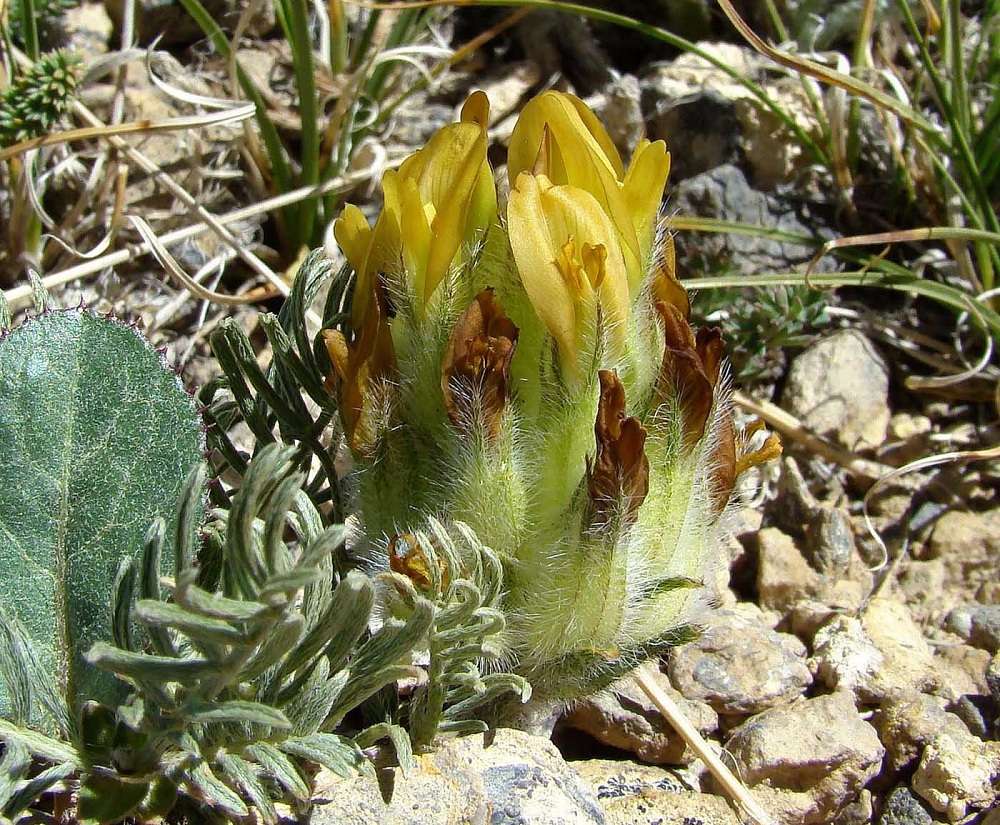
(790, 427)
(732, 786)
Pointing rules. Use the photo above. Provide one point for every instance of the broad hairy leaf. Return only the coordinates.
(96, 438)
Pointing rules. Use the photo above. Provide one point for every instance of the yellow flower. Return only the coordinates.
(558, 136)
(439, 201)
(571, 264)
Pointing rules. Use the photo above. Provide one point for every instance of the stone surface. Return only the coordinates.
(902, 807)
(818, 750)
(625, 718)
(632, 794)
(844, 658)
(839, 387)
(784, 577)
(740, 666)
(701, 130)
(617, 107)
(967, 544)
(978, 624)
(877, 655)
(517, 779)
(908, 721)
(958, 778)
(725, 193)
(761, 139)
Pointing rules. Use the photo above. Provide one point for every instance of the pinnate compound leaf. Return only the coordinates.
(279, 767)
(333, 752)
(96, 438)
(237, 711)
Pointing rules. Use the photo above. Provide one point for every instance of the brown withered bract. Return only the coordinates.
(666, 287)
(722, 464)
(683, 372)
(476, 367)
(618, 478)
(365, 369)
(408, 558)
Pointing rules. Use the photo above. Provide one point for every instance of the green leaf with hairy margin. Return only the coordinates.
(96, 437)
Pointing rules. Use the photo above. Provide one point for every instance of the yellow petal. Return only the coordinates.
(476, 109)
(415, 230)
(448, 175)
(535, 256)
(572, 125)
(564, 136)
(643, 191)
(354, 236)
(567, 253)
(449, 184)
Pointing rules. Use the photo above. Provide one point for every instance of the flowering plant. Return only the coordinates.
(531, 372)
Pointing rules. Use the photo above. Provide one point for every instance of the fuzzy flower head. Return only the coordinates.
(534, 375)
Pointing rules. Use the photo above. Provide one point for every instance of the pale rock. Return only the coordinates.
(909, 660)
(907, 438)
(956, 779)
(508, 778)
(807, 616)
(903, 426)
(88, 28)
(818, 751)
(633, 794)
(839, 387)
(907, 721)
(860, 811)
(783, 574)
(625, 718)
(739, 666)
(972, 536)
(922, 583)
(969, 545)
(964, 671)
(843, 655)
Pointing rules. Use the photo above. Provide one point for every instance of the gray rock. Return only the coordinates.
(513, 779)
(699, 128)
(739, 666)
(771, 152)
(819, 751)
(839, 387)
(724, 193)
(902, 807)
(978, 624)
(956, 778)
(617, 107)
(625, 718)
(831, 541)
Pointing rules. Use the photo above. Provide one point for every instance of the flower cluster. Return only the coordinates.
(530, 369)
